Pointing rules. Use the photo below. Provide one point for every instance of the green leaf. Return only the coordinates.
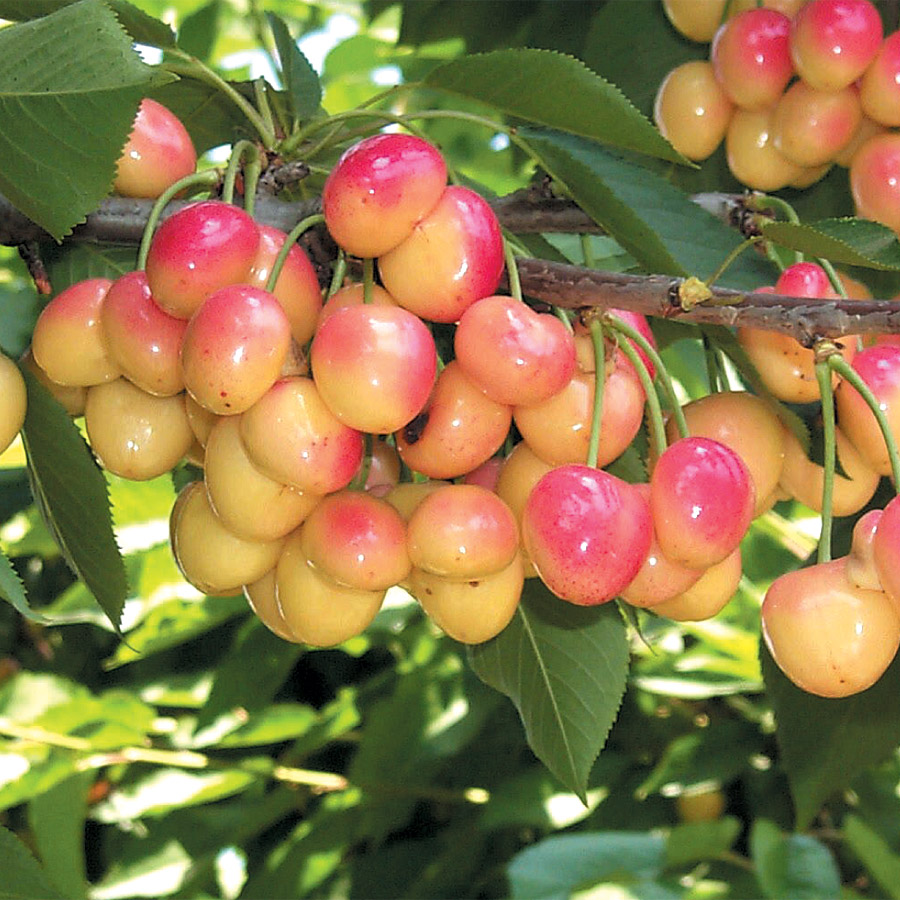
(558, 866)
(57, 822)
(793, 865)
(825, 743)
(73, 262)
(144, 29)
(694, 842)
(659, 225)
(299, 78)
(846, 241)
(23, 878)
(69, 89)
(13, 591)
(71, 492)
(552, 89)
(874, 853)
(564, 667)
(158, 871)
(198, 32)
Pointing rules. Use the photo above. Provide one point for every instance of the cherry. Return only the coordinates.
(201, 420)
(462, 532)
(471, 611)
(406, 496)
(886, 549)
(879, 368)
(453, 257)
(357, 540)
(262, 599)
(142, 339)
(830, 637)
(875, 180)
(159, 151)
(702, 499)
(833, 41)
(751, 57)
(199, 249)
(805, 279)
(71, 398)
(879, 87)
(13, 401)
(861, 568)
(380, 189)
(696, 21)
(752, 156)
(134, 434)
(706, 804)
(291, 436)
(297, 286)
(374, 366)
(383, 468)
(515, 355)
(486, 474)
(68, 341)
(353, 295)
(234, 347)
(692, 109)
(209, 556)
(520, 472)
(867, 129)
(707, 596)
(640, 324)
(587, 533)
(317, 610)
(249, 504)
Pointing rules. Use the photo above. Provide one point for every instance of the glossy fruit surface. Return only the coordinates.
(692, 109)
(875, 180)
(707, 596)
(702, 499)
(68, 341)
(13, 401)
(828, 636)
(861, 568)
(886, 549)
(693, 20)
(374, 366)
(515, 355)
(380, 189)
(71, 398)
(453, 257)
(262, 599)
(234, 347)
(159, 151)
(586, 532)
(142, 339)
(879, 87)
(199, 249)
(752, 155)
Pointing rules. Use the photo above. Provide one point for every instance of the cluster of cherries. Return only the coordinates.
(792, 87)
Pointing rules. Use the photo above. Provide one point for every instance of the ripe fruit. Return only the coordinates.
(861, 569)
(875, 180)
(751, 58)
(159, 151)
(886, 549)
(201, 248)
(453, 257)
(262, 599)
(702, 804)
(379, 190)
(70, 398)
(136, 435)
(68, 341)
(586, 532)
(879, 87)
(13, 401)
(751, 153)
(702, 499)
(234, 347)
(141, 338)
(692, 110)
(707, 596)
(374, 366)
(833, 41)
(828, 636)
(697, 21)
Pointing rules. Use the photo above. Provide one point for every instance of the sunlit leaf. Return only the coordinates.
(23, 878)
(301, 82)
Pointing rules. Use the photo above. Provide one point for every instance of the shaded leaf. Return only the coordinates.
(556, 90)
(23, 878)
(69, 90)
(693, 842)
(198, 32)
(564, 667)
(874, 853)
(792, 865)
(69, 263)
(826, 743)
(846, 241)
(71, 492)
(300, 80)
(13, 591)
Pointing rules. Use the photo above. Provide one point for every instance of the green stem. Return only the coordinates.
(732, 256)
(242, 152)
(823, 376)
(712, 366)
(302, 226)
(833, 277)
(662, 373)
(593, 452)
(337, 276)
(368, 279)
(587, 253)
(848, 373)
(654, 410)
(512, 271)
(207, 179)
(769, 201)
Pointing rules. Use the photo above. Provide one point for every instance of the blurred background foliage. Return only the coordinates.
(200, 756)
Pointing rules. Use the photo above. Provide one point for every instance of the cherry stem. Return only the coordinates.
(823, 376)
(247, 152)
(587, 253)
(833, 277)
(302, 226)
(337, 276)
(512, 270)
(769, 201)
(732, 256)
(206, 179)
(654, 410)
(593, 452)
(712, 366)
(848, 373)
(368, 279)
(662, 373)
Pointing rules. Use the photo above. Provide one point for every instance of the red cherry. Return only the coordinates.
(886, 549)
